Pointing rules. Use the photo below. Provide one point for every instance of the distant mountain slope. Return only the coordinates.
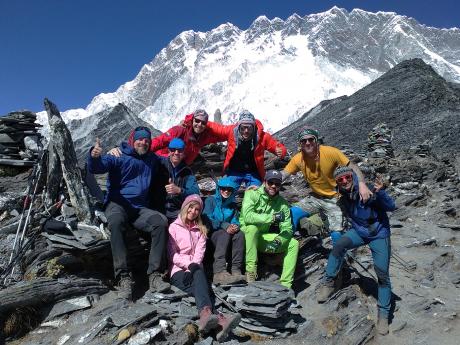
(112, 126)
(411, 98)
(278, 69)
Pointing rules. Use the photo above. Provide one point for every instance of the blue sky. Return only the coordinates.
(70, 51)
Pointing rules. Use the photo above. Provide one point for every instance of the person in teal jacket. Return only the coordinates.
(221, 215)
(266, 222)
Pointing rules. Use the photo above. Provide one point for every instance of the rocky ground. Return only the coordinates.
(425, 267)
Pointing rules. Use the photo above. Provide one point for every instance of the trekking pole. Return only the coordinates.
(28, 201)
(25, 205)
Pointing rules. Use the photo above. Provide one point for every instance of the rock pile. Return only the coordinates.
(19, 139)
(379, 142)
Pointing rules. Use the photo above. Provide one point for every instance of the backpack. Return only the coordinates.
(312, 226)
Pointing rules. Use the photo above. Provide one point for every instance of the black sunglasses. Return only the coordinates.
(309, 140)
(274, 183)
(204, 123)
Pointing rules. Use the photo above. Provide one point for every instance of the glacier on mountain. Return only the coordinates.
(276, 69)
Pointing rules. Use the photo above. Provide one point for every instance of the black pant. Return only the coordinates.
(221, 241)
(198, 288)
(143, 219)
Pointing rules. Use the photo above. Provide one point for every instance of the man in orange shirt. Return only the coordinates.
(317, 164)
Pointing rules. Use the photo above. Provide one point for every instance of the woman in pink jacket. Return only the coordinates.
(186, 247)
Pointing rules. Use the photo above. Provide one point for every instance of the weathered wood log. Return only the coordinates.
(63, 144)
(54, 176)
(47, 290)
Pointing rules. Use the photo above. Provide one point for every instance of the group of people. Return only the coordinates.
(151, 187)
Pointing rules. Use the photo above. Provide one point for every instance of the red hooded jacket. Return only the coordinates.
(193, 144)
(264, 141)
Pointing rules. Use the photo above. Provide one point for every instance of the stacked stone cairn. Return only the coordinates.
(19, 139)
(379, 142)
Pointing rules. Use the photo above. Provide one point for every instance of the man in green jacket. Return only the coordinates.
(266, 222)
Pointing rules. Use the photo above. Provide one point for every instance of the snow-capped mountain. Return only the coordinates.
(278, 69)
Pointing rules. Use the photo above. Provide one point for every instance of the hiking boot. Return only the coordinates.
(223, 278)
(382, 325)
(227, 323)
(156, 283)
(251, 277)
(326, 291)
(125, 287)
(208, 320)
(238, 276)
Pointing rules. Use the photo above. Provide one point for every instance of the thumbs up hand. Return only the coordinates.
(171, 188)
(97, 149)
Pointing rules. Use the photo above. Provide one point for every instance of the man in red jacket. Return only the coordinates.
(194, 131)
(247, 142)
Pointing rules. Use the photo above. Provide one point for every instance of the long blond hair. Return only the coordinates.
(198, 220)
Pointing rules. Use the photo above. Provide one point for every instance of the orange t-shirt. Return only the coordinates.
(319, 174)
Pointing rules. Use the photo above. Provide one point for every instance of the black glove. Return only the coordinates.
(273, 245)
(278, 217)
(188, 278)
(193, 267)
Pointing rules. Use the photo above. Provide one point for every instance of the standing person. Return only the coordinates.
(186, 248)
(127, 201)
(317, 164)
(221, 212)
(174, 183)
(266, 222)
(369, 225)
(247, 143)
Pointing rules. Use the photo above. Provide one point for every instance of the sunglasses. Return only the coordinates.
(174, 150)
(227, 189)
(307, 140)
(344, 179)
(274, 183)
(248, 128)
(200, 122)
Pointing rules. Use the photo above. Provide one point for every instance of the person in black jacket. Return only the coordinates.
(175, 181)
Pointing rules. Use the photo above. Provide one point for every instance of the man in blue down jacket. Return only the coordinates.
(129, 178)
(369, 225)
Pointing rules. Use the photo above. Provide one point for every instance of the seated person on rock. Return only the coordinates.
(317, 164)
(221, 214)
(247, 143)
(369, 225)
(174, 181)
(127, 201)
(266, 222)
(186, 248)
(195, 133)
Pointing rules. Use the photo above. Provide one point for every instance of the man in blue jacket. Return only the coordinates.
(127, 200)
(174, 182)
(369, 225)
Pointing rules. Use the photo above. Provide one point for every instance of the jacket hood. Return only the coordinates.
(226, 182)
(127, 149)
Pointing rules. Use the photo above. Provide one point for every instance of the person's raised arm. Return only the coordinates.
(364, 191)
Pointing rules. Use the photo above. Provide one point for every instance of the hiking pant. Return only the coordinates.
(221, 240)
(143, 219)
(381, 252)
(258, 241)
(328, 206)
(249, 179)
(197, 288)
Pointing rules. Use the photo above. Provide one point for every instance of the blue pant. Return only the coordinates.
(249, 179)
(381, 252)
(296, 215)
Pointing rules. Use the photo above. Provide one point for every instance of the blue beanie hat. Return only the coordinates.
(176, 143)
(141, 133)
